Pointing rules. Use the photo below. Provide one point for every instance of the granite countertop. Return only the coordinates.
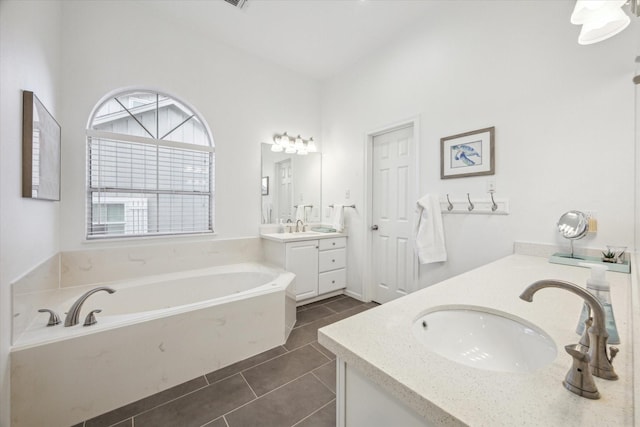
(379, 343)
(305, 235)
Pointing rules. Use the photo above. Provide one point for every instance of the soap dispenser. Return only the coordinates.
(599, 287)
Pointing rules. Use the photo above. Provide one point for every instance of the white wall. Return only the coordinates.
(30, 36)
(564, 118)
(111, 45)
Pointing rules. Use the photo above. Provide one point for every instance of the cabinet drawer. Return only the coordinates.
(331, 260)
(332, 280)
(335, 243)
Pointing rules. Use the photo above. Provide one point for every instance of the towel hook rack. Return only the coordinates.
(450, 207)
(494, 205)
(346, 206)
(470, 207)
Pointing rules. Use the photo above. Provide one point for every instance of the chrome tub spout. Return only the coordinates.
(73, 316)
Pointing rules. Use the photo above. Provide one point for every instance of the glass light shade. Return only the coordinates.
(299, 143)
(588, 10)
(303, 151)
(284, 140)
(311, 146)
(276, 148)
(607, 24)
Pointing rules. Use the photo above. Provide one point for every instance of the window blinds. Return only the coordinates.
(144, 186)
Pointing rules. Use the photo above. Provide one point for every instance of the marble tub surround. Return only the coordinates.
(380, 345)
(32, 292)
(43, 286)
(76, 373)
(109, 264)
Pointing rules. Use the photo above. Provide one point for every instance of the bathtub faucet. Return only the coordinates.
(73, 315)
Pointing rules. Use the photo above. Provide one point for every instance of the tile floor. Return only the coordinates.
(289, 385)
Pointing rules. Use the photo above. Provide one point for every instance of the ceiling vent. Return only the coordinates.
(237, 3)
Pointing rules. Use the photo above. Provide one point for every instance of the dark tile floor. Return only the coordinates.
(289, 385)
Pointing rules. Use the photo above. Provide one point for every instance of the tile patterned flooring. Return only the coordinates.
(289, 385)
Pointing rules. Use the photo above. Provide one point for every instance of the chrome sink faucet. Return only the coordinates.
(598, 359)
(73, 316)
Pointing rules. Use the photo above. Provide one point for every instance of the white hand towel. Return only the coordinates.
(300, 213)
(429, 230)
(337, 219)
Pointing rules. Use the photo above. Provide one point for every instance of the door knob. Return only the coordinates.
(374, 227)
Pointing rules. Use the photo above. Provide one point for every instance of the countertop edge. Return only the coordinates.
(422, 406)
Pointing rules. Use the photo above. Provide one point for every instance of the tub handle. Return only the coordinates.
(91, 318)
(54, 319)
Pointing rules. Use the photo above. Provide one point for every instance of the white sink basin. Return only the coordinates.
(483, 340)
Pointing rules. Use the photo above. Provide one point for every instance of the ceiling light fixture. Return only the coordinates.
(601, 19)
(283, 142)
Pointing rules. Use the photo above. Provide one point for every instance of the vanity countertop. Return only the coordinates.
(294, 237)
(379, 344)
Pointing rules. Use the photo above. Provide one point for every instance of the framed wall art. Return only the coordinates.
(468, 154)
(40, 150)
(265, 185)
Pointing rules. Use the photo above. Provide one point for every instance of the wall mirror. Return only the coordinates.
(40, 150)
(293, 180)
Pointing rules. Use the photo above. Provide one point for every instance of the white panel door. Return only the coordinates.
(393, 199)
(285, 191)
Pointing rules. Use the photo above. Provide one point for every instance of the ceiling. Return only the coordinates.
(316, 38)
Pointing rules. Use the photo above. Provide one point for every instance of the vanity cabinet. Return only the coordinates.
(320, 264)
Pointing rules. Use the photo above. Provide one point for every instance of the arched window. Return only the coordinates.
(150, 168)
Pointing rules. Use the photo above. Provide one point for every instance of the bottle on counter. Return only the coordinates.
(599, 287)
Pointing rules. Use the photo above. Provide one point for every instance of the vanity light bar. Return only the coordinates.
(292, 145)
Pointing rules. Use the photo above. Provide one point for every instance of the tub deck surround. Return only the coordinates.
(154, 297)
(380, 345)
(184, 328)
(116, 263)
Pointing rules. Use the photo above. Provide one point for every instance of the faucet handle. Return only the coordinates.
(579, 379)
(54, 319)
(91, 318)
(614, 351)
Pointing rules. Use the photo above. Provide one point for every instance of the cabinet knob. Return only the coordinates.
(334, 243)
(333, 281)
(333, 260)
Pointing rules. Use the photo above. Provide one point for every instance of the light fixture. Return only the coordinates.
(600, 19)
(290, 145)
(311, 146)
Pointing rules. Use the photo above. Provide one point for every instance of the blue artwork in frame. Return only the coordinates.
(468, 154)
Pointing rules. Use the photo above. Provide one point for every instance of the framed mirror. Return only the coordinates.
(40, 150)
(292, 180)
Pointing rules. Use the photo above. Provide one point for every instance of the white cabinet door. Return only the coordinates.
(302, 260)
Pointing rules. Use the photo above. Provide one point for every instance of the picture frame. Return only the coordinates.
(41, 135)
(468, 154)
(265, 185)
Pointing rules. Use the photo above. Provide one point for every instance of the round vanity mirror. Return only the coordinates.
(573, 225)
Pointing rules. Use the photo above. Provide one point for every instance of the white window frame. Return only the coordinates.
(119, 137)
